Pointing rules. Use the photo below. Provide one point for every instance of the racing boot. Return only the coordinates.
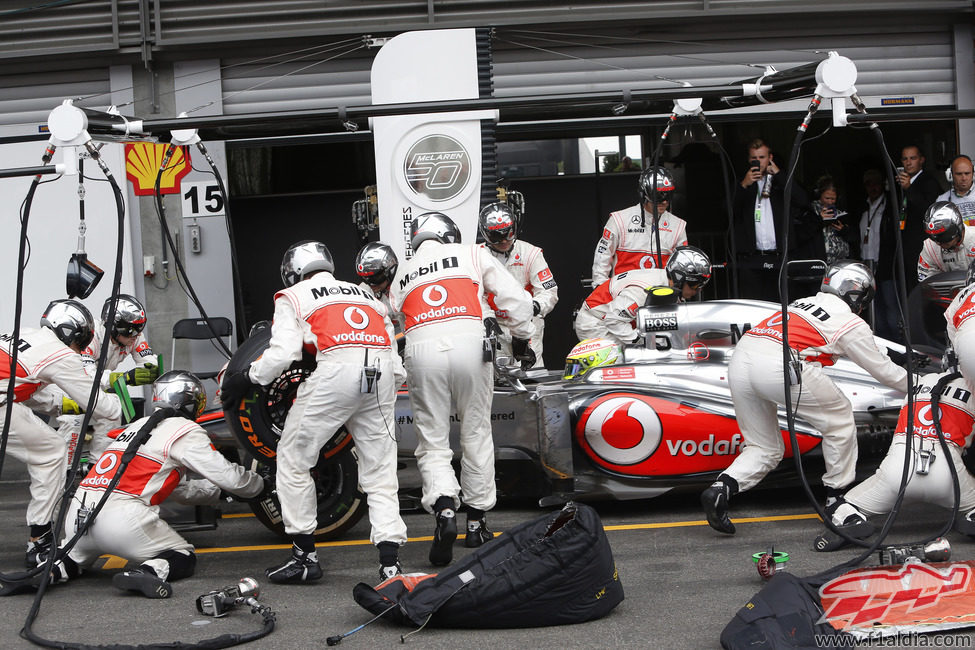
(477, 530)
(848, 519)
(389, 565)
(714, 500)
(965, 524)
(38, 549)
(144, 581)
(302, 566)
(442, 550)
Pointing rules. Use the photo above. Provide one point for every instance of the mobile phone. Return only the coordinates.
(754, 164)
(830, 214)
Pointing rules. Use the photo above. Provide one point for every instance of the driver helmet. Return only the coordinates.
(591, 353)
(70, 321)
(689, 265)
(303, 259)
(943, 222)
(180, 390)
(129, 318)
(497, 223)
(656, 181)
(433, 225)
(852, 281)
(376, 263)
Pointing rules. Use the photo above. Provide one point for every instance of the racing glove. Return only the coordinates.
(523, 353)
(137, 376)
(70, 407)
(233, 387)
(900, 358)
(536, 308)
(491, 327)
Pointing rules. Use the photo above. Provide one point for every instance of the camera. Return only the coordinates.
(218, 603)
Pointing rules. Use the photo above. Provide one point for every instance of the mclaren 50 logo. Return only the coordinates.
(438, 167)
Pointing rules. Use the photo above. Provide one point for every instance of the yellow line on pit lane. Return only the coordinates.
(366, 542)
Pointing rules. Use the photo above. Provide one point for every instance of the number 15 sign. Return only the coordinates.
(202, 200)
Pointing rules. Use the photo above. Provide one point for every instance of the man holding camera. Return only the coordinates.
(759, 215)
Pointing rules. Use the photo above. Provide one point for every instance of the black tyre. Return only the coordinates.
(257, 420)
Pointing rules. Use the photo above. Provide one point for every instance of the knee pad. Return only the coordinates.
(182, 564)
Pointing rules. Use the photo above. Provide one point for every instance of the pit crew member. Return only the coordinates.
(353, 384)
(439, 292)
(961, 326)
(629, 240)
(949, 244)
(610, 310)
(821, 328)
(129, 524)
(48, 356)
(930, 478)
(498, 226)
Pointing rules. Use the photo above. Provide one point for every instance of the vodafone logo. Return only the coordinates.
(356, 317)
(623, 430)
(648, 262)
(925, 417)
(106, 463)
(434, 295)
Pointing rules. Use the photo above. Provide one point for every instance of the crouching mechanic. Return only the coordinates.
(821, 328)
(439, 292)
(949, 244)
(526, 263)
(960, 316)
(353, 384)
(930, 478)
(49, 356)
(610, 310)
(129, 524)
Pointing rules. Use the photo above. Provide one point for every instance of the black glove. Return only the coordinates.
(522, 352)
(536, 308)
(491, 327)
(234, 386)
(900, 358)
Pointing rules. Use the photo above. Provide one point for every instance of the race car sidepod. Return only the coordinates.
(556, 569)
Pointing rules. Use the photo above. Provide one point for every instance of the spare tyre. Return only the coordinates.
(257, 421)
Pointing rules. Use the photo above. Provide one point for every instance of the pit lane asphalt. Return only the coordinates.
(683, 581)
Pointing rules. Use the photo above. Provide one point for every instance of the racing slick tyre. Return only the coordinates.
(257, 420)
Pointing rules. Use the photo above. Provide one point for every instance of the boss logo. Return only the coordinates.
(438, 167)
(661, 322)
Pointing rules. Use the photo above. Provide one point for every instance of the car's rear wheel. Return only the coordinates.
(257, 421)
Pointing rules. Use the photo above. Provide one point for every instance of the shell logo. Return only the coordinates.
(622, 430)
(142, 162)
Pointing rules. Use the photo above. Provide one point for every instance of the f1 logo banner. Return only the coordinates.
(427, 162)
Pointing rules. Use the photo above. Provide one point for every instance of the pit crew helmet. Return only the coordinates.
(497, 223)
(852, 281)
(180, 390)
(591, 353)
(943, 222)
(662, 185)
(129, 318)
(689, 265)
(433, 225)
(303, 259)
(70, 321)
(376, 263)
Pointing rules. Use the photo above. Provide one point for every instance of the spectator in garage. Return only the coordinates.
(821, 328)
(919, 190)
(630, 241)
(960, 193)
(824, 229)
(877, 249)
(758, 215)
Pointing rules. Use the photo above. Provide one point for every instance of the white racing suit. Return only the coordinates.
(42, 360)
(934, 259)
(527, 265)
(877, 494)
(821, 328)
(349, 328)
(439, 292)
(960, 316)
(610, 310)
(627, 244)
(129, 524)
(70, 425)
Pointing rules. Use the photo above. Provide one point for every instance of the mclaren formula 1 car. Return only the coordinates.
(660, 420)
